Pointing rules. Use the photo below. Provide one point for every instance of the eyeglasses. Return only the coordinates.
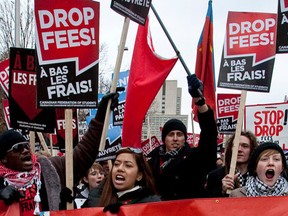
(19, 147)
(135, 150)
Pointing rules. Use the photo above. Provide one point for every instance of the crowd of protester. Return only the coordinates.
(172, 171)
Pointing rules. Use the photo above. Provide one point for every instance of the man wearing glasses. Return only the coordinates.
(36, 182)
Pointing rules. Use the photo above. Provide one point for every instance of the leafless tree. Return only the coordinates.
(7, 26)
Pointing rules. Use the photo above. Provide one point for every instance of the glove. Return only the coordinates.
(66, 195)
(102, 106)
(113, 208)
(10, 194)
(195, 86)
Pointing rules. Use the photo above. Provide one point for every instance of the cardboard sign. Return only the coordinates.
(68, 53)
(249, 51)
(22, 94)
(135, 10)
(227, 112)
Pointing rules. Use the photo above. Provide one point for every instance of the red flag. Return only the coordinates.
(147, 74)
(205, 62)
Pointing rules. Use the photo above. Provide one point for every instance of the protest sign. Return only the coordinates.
(268, 122)
(118, 112)
(282, 27)
(4, 76)
(249, 51)
(135, 10)
(227, 112)
(67, 44)
(22, 94)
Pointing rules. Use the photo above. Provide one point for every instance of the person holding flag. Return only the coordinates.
(179, 170)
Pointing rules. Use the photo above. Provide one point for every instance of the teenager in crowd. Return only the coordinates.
(267, 168)
(219, 180)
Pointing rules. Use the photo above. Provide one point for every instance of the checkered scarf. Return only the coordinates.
(168, 157)
(241, 178)
(255, 187)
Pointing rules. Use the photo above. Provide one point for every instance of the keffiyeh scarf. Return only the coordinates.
(241, 178)
(24, 180)
(255, 187)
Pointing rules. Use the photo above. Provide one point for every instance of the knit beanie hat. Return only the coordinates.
(8, 139)
(256, 153)
(173, 124)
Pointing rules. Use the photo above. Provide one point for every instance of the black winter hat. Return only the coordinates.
(8, 139)
(256, 153)
(173, 124)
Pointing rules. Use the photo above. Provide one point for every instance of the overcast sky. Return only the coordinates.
(184, 20)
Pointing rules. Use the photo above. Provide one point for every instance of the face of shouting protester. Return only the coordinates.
(19, 157)
(174, 140)
(125, 172)
(269, 167)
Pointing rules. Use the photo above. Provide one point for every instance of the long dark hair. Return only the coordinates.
(109, 195)
(229, 146)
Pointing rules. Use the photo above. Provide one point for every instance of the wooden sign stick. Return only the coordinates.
(237, 135)
(69, 152)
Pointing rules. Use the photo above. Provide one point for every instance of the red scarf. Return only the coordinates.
(27, 182)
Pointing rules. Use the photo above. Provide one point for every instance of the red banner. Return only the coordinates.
(196, 207)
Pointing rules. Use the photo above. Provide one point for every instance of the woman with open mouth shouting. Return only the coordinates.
(267, 170)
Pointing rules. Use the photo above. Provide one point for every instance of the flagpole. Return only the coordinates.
(121, 49)
(173, 45)
(171, 41)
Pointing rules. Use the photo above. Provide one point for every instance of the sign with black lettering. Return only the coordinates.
(249, 51)
(134, 9)
(67, 44)
(22, 94)
(269, 122)
(227, 112)
(282, 27)
(118, 112)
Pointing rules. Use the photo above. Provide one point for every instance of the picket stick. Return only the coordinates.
(115, 80)
(237, 135)
(69, 152)
(43, 142)
(51, 144)
(32, 140)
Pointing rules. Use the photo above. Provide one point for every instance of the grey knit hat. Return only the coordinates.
(173, 124)
(8, 139)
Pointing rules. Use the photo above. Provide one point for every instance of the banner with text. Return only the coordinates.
(268, 122)
(22, 94)
(227, 112)
(249, 51)
(67, 44)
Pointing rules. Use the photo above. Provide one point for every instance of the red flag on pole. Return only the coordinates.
(205, 62)
(147, 74)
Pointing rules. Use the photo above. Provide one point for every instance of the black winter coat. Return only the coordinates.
(185, 176)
